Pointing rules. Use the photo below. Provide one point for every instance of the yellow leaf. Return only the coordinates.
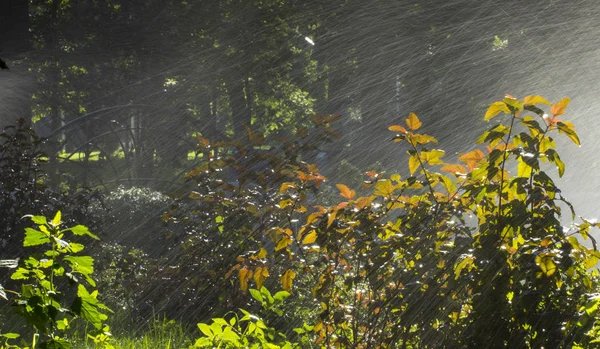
(432, 157)
(330, 218)
(262, 253)
(260, 274)
(546, 265)
(310, 238)
(284, 242)
(397, 128)
(244, 275)
(533, 100)
(287, 185)
(345, 191)
(561, 107)
(56, 219)
(413, 121)
(286, 279)
(495, 109)
(384, 187)
(413, 164)
(423, 139)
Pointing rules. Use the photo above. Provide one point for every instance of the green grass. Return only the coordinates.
(160, 334)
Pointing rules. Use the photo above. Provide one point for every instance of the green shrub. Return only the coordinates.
(54, 275)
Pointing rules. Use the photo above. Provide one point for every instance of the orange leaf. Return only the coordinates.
(260, 274)
(454, 169)
(345, 191)
(397, 128)
(413, 121)
(472, 158)
(561, 107)
(244, 275)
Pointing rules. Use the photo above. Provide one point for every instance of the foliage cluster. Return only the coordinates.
(468, 254)
(455, 255)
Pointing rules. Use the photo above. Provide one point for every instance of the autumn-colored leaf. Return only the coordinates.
(533, 100)
(546, 265)
(286, 279)
(472, 158)
(495, 109)
(310, 238)
(413, 163)
(345, 191)
(287, 185)
(260, 274)
(384, 187)
(244, 275)
(413, 121)
(397, 128)
(454, 169)
(561, 107)
(203, 141)
(423, 139)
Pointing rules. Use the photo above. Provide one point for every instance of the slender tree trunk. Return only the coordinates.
(240, 110)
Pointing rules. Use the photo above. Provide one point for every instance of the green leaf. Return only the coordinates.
(9, 335)
(41, 220)
(82, 230)
(87, 306)
(256, 294)
(81, 264)
(34, 238)
(281, 296)
(205, 329)
(56, 219)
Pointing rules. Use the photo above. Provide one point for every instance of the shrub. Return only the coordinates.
(454, 255)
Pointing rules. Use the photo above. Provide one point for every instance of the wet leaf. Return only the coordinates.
(286, 279)
(397, 128)
(413, 122)
(244, 275)
(310, 238)
(495, 109)
(546, 265)
(472, 158)
(561, 107)
(345, 191)
(533, 100)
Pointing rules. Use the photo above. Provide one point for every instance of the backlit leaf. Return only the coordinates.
(244, 275)
(413, 164)
(561, 107)
(454, 169)
(34, 237)
(472, 158)
(345, 191)
(56, 219)
(310, 238)
(495, 109)
(413, 121)
(546, 265)
(533, 100)
(286, 279)
(397, 128)
(260, 274)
